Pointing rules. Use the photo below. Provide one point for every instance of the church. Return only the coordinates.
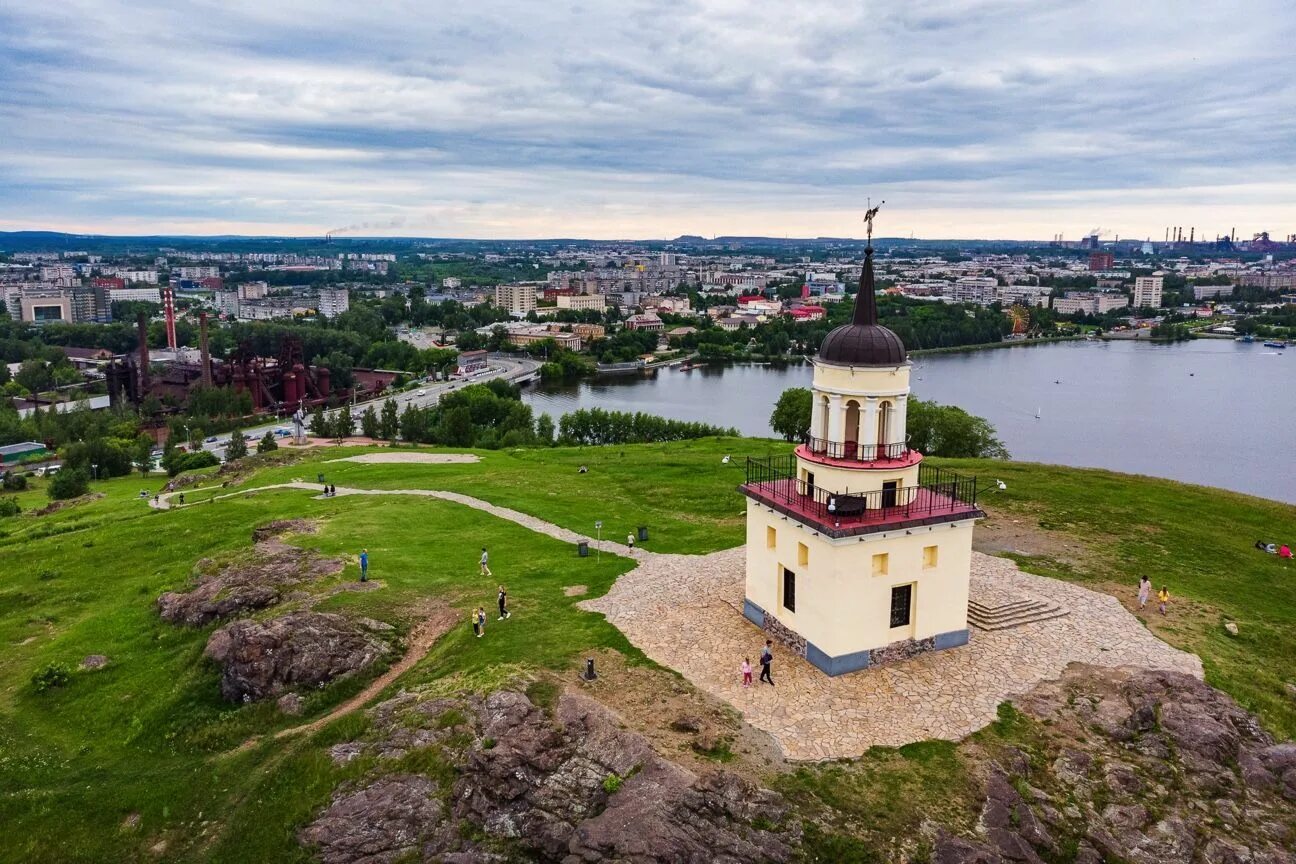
(858, 553)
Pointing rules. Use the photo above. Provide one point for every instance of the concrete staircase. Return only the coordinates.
(1003, 614)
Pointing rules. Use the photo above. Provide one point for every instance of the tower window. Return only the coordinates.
(881, 564)
(771, 537)
(929, 557)
(789, 590)
(803, 554)
(901, 605)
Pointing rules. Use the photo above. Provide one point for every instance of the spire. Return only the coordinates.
(866, 299)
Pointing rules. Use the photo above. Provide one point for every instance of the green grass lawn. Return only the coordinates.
(150, 735)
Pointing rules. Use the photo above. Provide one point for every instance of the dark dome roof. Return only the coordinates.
(863, 342)
(862, 345)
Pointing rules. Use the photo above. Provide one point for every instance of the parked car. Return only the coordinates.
(422, 393)
(211, 440)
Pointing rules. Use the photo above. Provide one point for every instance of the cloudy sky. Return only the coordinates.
(518, 118)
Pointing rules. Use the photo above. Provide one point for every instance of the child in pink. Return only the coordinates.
(746, 670)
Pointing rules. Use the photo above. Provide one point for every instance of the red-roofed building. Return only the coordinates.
(108, 282)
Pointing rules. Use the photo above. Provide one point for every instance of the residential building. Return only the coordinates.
(531, 335)
(589, 332)
(149, 276)
(147, 295)
(227, 303)
(517, 299)
(1088, 303)
(334, 301)
(1147, 292)
(46, 307)
(253, 290)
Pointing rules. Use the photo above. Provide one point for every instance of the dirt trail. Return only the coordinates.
(434, 625)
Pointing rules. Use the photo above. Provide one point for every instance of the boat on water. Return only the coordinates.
(1244, 339)
(1275, 344)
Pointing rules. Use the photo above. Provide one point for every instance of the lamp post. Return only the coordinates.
(94, 471)
(598, 546)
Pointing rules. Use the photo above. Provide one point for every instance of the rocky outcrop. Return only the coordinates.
(1135, 766)
(244, 586)
(259, 659)
(572, 787)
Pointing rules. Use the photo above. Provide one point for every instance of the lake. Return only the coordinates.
(1214, 412)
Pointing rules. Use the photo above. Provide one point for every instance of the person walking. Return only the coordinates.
(746, 671)
(485, 563)
(503, 603)
(1145, 591)
(364, 565)
(476, 622)
(1163, 597)
(481, 621)
(630, 540)
(766, 659)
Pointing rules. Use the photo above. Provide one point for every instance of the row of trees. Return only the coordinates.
(597, 426)
(937, 430)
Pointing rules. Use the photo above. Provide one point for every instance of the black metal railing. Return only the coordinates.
(854, 451)
(938, 491)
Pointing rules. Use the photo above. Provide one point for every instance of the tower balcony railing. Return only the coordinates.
(939, 494)
(853, 451)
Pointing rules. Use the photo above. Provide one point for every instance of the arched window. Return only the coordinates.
(851, 435)
(822, 432)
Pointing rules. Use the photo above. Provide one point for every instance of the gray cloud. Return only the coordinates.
(646, 118)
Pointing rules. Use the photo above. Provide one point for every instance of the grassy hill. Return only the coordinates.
(144, 755)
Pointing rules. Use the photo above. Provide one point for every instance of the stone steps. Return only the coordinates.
(1011, 614)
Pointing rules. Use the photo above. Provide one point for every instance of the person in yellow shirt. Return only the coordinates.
(1163, 597)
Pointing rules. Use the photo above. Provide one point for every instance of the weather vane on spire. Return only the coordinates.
(868, 218)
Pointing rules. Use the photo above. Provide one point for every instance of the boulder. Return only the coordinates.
(1231, 628)
(309, 649)
(94, 661)
(246, 586)
(382, 822)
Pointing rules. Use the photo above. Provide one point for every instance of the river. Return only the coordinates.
(1213, 412)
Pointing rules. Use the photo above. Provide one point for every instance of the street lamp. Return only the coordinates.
(94, 468)
(598, 547)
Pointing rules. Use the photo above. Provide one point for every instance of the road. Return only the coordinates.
(508, 368)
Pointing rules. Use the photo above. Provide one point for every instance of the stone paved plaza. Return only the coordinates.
(683, 612)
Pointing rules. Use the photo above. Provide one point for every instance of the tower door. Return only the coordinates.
(889, 493)
(810, 484)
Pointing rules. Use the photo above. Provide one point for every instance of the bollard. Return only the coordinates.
(589, 669)
(582, 548)
(643, 532)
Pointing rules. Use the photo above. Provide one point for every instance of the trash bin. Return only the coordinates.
(643, 532)
(582, 548)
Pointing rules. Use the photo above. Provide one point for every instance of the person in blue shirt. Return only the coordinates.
(364, 565)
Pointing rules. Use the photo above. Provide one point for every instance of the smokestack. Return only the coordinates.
(1233, 234)
(206, 354)
(168, 302)
(1167, 235)
(141, 327)
(1192, 235)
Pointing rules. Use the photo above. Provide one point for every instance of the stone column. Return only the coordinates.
(868, 434)
(816, 414)
(836, 419)
(898, 419)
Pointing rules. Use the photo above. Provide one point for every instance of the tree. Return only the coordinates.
(389, 423)
(319, 424)
(456, 429)
(267, 443)
(142, 453)
(791, 417)
(69, 483)
(944, 430)
(369, 423)
(237, 447)
(545, 429)
(343, 425)
(35, 376)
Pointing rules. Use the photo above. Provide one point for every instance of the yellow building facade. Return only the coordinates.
(857, 552)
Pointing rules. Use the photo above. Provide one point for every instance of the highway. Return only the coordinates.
(429, 393)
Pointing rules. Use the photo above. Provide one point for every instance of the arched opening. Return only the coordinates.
(851, 434)
(822, 432)
(883, 428)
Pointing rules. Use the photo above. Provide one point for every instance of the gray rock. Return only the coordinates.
(309, 649)
(378, 824)
(290, 704)
(94, 661)
(246, 586)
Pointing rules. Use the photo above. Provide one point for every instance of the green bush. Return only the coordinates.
(267, 443)
(69, 483)
(611, 784)
(13, 482)
(9, 507)
(177, 461)
(53, 675)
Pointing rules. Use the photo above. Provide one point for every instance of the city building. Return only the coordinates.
(45, 307)
(472, 362)
(1101, 261)
(646, 321)
(532, 335)
(1088, 303)
(1206, 292)
(857, 552)
(334, 301)
(582, 302)
(147, 295)
(227, 303)
(1147, 292)
(517, 299)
